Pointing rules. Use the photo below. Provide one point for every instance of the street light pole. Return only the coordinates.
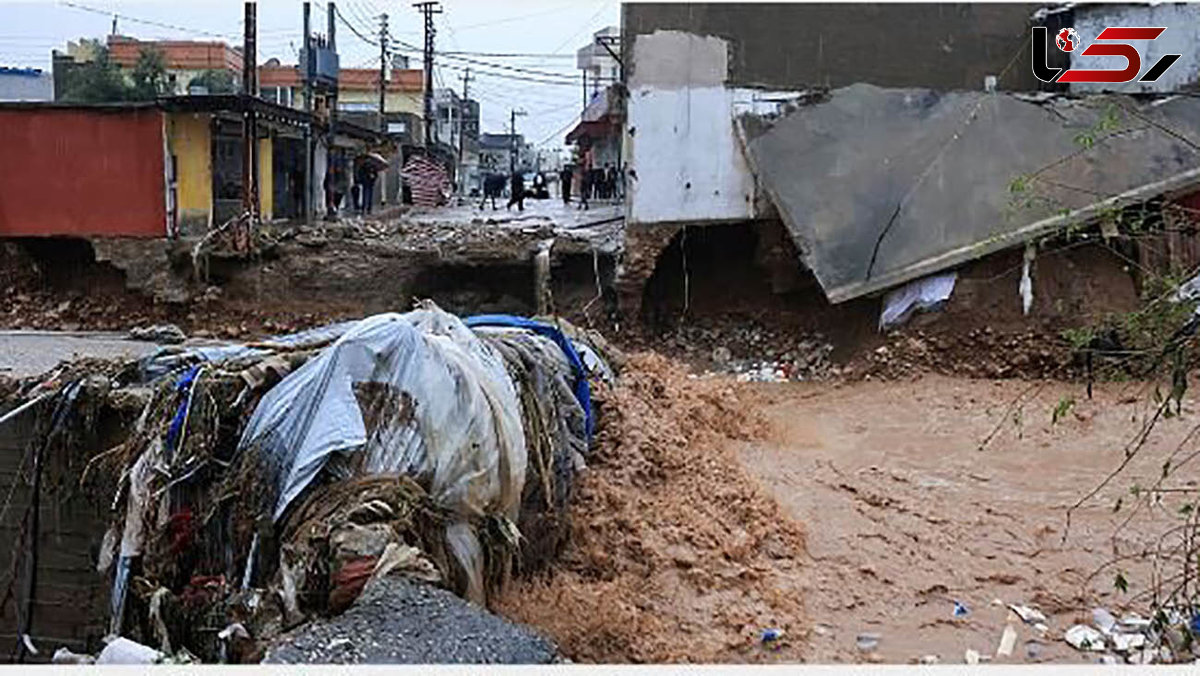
(512, 156)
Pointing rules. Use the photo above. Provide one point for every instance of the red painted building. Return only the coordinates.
(96, 170)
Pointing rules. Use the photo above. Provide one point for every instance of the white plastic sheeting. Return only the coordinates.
(443, 410)
(922, 294)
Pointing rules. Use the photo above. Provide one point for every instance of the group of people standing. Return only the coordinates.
(594, 182)
(361, 193)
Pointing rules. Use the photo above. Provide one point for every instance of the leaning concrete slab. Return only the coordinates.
(881, 186)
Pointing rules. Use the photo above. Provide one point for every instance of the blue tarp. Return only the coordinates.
(583, 391)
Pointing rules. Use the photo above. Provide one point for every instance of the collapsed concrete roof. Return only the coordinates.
(881, 186)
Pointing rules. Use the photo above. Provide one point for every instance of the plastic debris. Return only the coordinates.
(1107, 659)
(1083, 637)
(1133, 623)
(121, 650)
(1008, 641)
(1104, 620)
(772, 638)
(1028, 615)
(971, 656)
(65, 656)
(1033, 649)
(918, 295)
(961, 610)
(929, 659)
(867, 642)
(1124, 643)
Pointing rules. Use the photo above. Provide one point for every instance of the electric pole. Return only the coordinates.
(429, 8)
(307, 73)
(249, 124)
(383, 61)
(512, 157)
(462, 139)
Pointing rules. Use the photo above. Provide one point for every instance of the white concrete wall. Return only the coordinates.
(682, 139)
(1181, 37)
(682, 146)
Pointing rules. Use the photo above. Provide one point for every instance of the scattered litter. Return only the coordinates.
(867, 642)
(165, 334)
(961, 610)
(997, 602)
(919, 295)
(1028, 615)
(1033, 649)
(1042, 628)
(971, 656)
(1124, 643)
(1008, 641)
(1083, 637)
(65, 656)
(1133, 623)
(121, 650)
(28, 641)
(1104, 620)
(822, 630)
(772, 639)
(1107, 659)
(1025, 288)
(929, 659)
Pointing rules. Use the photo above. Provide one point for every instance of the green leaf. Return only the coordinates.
(1064, 406)
(1121, 583)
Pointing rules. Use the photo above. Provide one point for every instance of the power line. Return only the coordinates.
(513, 55)
(585, 26)
(125, 17)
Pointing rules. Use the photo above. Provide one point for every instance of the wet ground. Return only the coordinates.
(905, 515)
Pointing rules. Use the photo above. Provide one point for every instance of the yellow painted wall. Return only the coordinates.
(266, 179)
(191, 144)
(394, 102)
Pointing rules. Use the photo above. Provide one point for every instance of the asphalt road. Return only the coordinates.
(31, 353)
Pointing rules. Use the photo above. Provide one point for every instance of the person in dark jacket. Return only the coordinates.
(564, 181)
(518, 192)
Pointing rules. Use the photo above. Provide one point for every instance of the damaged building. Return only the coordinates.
(862, 164)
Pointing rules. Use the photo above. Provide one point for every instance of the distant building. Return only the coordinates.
(26, 84)
(599, 127)
(496, 153)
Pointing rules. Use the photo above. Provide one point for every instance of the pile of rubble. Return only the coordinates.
(753, 352)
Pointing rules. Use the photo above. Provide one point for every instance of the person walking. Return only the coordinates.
(585, 179)
(610, 181)
(564, 180)
(518, 192)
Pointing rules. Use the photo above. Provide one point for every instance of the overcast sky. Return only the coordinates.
(550, 29)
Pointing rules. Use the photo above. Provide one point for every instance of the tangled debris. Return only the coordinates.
(266, 484)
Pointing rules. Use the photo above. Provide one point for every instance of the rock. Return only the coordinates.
(167, 334)
(1083, 637)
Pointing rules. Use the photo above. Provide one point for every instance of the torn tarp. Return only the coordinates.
(923, 294)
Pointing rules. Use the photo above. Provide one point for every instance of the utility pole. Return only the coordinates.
(512, 156)
(307, 74)
(429, 8)
(249, 123)
(383, 62)
(462, 139)
(331, 11)
(584, 90)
